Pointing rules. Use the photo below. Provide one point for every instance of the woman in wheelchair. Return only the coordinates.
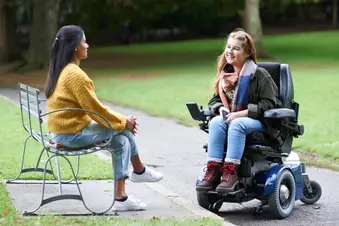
(244, 91)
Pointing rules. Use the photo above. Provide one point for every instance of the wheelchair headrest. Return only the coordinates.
(281, 75)
(274, 69)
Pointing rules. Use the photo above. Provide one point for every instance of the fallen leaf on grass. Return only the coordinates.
(6, 212)
(18, 221)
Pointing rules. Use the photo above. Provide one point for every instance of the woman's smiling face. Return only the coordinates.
(235, 53)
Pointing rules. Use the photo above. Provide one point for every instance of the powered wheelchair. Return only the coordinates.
(269, 170)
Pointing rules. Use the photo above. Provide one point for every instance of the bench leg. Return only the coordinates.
(37, 169)
(59, 174)
(70, 196)
(26, 170)
(42, 202)
(70, 180)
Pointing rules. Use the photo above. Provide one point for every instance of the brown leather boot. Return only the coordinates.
(211, 178)
(229, 178)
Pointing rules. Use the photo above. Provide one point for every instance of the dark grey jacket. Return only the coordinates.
(262, 96)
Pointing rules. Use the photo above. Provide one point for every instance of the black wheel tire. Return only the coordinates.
(207, 201)
(280, 208)
(315, 196)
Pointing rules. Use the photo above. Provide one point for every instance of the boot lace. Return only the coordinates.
(227, 171)
(211, 170)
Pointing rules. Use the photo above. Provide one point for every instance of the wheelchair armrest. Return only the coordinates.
(207, 113)
(295, 128)
(279, 113)
(288, 120)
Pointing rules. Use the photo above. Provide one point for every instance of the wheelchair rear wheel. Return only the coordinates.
(310, 198)
(282, 198)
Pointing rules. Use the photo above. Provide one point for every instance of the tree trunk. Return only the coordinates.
(252, 24)
(335, 12)
(42, 32)
(3, 33)
(13, 44)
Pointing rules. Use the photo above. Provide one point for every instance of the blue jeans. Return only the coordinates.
(123, 143)
(235, 132)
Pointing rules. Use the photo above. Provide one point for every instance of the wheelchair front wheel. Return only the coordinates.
(208, 201)
(311, 198)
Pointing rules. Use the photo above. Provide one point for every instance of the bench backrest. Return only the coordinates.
(30, 106)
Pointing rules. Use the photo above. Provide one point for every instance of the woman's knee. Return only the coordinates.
(127, 133)
(217, 122)
(246, 125)
(238, 123)
(120, 143)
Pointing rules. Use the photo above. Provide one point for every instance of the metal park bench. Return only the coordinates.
(32, 121)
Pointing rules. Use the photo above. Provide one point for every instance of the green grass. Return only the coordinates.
(317, 93)
(292, 48)
(183, 71)
(92, 167)
(316, 50)
(180, 47)
(163, 95)
(7, 211)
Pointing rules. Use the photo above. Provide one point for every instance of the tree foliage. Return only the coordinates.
(33, 23)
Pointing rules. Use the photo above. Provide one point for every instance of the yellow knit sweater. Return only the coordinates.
(75, 89)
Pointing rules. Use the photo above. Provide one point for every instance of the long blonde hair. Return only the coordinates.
(248, 44)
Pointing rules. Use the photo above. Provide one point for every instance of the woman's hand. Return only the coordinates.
(131, 124)
(234, 115)
(231, 116)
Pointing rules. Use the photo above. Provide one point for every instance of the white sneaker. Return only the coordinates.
(148, 176)
(131, 204)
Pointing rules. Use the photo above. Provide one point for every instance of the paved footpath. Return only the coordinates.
(177, 152)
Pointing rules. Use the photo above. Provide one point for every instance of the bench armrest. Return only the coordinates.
(278, 113)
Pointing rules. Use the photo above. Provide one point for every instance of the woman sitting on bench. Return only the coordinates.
(68, 86)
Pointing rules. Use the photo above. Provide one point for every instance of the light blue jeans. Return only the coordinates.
(235, 132)
(123, 144)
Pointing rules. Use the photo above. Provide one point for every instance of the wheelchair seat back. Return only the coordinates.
(282, 77)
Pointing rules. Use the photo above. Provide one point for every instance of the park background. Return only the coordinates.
(156, 55)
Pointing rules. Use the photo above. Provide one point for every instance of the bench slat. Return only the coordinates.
(33, 98)
(31, 112)
(28, 88)
(31, 106)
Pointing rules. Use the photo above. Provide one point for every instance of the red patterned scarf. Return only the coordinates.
(230, 80)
